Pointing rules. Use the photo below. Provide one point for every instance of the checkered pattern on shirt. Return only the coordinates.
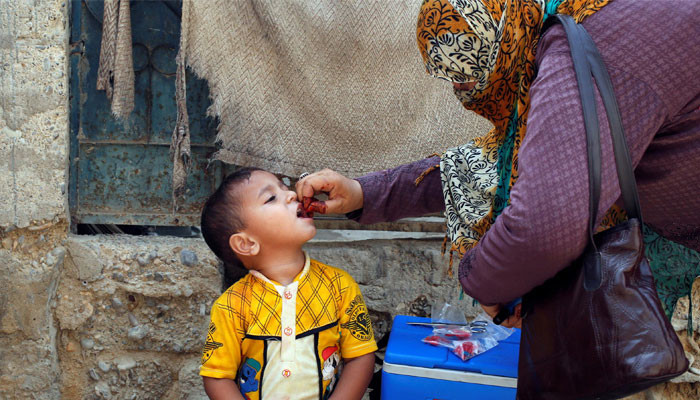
(319, 297)
(257, 306)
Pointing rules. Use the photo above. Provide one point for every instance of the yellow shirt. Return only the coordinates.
(281, 342)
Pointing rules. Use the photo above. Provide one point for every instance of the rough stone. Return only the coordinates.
(138, 332)
(93, 374)
(117, 303)
(18, 378)
(143, 260)
(25, 296)
(125, 363)
(55, 256)
(71, 347)
(103, 391)
(86, 259)
(87, 343)
(118, 276)
(104, 366)
(73, 311)
(188, 257)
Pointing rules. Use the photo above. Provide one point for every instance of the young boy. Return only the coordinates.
(281, 331)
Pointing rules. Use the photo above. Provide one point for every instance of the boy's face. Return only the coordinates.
(270, 212)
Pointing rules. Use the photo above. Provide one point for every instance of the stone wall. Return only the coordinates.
(124, 316)
(130, 313)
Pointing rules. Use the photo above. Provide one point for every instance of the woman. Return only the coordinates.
(516, 200)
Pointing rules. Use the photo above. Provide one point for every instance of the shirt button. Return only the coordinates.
(287, 295)
(286, 373)
(287, 331)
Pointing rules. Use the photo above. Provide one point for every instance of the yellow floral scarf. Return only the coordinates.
(491, 43)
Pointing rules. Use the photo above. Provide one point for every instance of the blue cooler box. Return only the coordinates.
(414, 370)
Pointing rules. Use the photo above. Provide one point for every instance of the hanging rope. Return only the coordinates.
(115, 73)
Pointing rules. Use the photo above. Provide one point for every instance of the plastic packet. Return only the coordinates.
(498, 332)
(465, 340)
(447, 313)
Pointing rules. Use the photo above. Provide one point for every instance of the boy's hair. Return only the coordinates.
(221, 216)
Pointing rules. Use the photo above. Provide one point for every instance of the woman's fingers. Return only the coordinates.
(312, 184)
(344, 194)
(515, 320)
(335, 207)
(492, 311)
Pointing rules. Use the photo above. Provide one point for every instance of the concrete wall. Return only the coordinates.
(33, 158)
(124, 316)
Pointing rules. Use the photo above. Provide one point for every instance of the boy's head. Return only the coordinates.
(250, 211)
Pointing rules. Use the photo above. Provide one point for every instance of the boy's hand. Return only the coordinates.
(344, 194)
(353, 382)
(221, 389)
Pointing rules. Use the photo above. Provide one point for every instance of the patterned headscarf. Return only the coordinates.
(491, 43)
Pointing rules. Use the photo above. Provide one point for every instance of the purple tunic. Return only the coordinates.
(652, 51)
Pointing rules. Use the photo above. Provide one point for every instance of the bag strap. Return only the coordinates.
(623, 161)
(589, 63)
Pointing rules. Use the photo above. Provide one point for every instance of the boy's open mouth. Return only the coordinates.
(301, 213)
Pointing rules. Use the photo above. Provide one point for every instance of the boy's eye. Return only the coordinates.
(272, 198)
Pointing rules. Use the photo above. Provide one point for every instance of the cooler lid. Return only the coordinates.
(405, 347)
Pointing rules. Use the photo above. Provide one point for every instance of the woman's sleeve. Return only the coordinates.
(544, 228)
(393, 194)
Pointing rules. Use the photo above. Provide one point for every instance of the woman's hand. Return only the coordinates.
(514, 321)
(344, 194)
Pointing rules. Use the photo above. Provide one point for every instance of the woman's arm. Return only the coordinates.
(353, 382)
(380, 196)
(393, 194)
(545, 226)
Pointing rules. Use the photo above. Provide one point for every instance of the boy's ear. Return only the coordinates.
(243, 244)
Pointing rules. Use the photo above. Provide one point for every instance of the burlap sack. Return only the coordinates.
(303, 85)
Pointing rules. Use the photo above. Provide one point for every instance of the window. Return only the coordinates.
(120, 171)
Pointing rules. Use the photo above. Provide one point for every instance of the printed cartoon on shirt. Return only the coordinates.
(331, 360)
(246, 376)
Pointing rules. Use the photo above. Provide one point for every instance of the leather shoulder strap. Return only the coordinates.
(589, 63)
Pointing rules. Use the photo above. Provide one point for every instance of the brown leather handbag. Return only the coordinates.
(597, 329)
